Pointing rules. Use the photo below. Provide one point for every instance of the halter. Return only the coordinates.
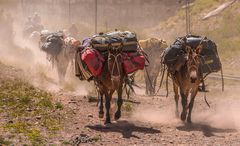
(193, 57)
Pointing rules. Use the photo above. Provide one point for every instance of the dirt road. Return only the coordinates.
(152, 122)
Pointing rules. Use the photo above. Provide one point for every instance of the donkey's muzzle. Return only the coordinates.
(193, 76)
(193, 80)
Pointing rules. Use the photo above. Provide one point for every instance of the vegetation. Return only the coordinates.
(4, 142)
(29, 110)
(127, 106)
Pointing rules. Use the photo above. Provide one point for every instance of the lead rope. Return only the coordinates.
(203, 84)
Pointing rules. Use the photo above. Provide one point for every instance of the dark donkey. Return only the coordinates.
(111, 80)
(187, 78)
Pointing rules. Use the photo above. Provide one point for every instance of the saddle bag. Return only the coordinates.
(210, 59)
(94, 61)
(133, 62)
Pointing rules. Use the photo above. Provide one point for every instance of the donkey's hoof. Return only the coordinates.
(189, 120)
(107, 123)
(101, 115)
(183, 116)
(117, 115)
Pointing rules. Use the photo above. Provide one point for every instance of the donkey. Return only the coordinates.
(187, 80)
(65, 56)
(153, 47)
(111, 80)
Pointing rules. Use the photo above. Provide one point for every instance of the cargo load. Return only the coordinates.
(52, 43)
(127, 39)
(174, 56)
(94, 53)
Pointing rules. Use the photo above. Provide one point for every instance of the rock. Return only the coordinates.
(29, 110)
(38, 117)
(10, 121)
(90, 115)
(27, 118)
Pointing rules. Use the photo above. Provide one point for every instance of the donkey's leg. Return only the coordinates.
(151, 85)
(176, 97)
(193, 95)
(108, 98)
(119, 104)
(184, 105)
(154, 82)
(107, 106)
(61, 69)
(147, 83)
(101, 112)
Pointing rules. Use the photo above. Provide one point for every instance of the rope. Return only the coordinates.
(162, 76)
(205, 95)
(203, 84)
(167, 84)
(114, 64)
(222, 78)
(149, 79)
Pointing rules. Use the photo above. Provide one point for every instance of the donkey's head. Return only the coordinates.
(115, 62)
(193, 62)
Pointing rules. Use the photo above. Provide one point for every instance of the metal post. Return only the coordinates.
(95, 16)
(189, 18)
(22, 8)
(69, 11)
(188, 21)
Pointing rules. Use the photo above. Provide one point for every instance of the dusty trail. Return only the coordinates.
(152, 122)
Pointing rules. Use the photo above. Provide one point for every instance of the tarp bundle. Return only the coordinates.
(128, 39)
(174, 56)
(93, 53)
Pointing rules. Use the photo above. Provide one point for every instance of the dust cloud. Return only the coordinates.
(223, 114)
(158, 115)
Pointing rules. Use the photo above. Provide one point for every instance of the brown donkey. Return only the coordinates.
(111, 80)
(187, 80)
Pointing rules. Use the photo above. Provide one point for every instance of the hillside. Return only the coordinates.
(224, 29)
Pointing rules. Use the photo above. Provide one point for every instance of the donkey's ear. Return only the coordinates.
(199, 49)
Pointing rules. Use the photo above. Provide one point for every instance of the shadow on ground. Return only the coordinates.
(207, 130)
(125, 128)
